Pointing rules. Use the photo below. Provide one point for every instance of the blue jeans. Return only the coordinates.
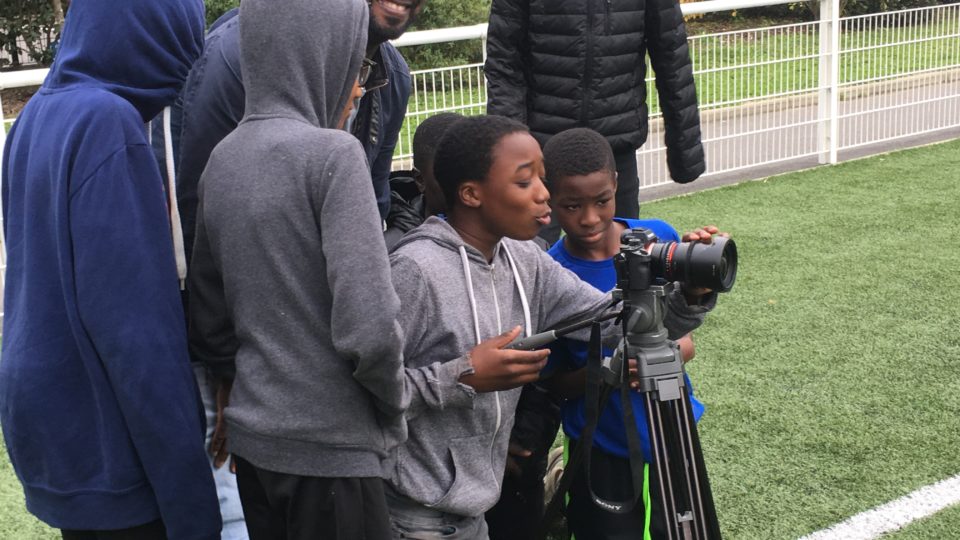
(234, 527)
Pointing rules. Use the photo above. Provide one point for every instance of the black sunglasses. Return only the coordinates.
(366, 68)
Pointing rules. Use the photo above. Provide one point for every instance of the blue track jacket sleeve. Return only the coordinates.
(383, 162)
(130, 307)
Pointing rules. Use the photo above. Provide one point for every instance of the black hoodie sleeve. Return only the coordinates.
(212, 338)
(506, 38)
(666, 42)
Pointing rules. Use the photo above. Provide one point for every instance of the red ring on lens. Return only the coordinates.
(668, 264)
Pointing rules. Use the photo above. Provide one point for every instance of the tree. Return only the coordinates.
(33, 25)
(57, 12)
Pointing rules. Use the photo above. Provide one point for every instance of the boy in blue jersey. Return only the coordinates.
(581, 176)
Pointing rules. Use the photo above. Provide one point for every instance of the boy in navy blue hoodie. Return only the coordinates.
(582, 178)
(97, 400)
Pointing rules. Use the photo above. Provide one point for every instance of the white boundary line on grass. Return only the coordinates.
(894, 515)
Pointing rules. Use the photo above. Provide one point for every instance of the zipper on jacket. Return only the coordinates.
(587, 67)
(496, 395)
(606, 22)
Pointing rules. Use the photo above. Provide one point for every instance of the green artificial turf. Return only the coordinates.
(941, 526)
(831, 372)
(15, 522)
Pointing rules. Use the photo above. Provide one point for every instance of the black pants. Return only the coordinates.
(611, 480)
(518, 513)
(150, 531)
(285, 506)
(627, 197)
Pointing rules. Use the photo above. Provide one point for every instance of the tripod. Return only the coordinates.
(677, 458)
(643, 268)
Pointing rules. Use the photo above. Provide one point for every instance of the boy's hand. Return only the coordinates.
(496, 368)
(704, 235)
(515, 451)
(687, 349)
(218, 441)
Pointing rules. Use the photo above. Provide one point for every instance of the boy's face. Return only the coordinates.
(512, 200)
(389, 19)
(584, 205)
(355, 94)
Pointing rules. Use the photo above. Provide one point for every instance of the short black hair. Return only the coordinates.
(577, 152)
(466, 151)
(428, 135)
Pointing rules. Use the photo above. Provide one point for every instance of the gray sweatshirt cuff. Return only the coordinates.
(682, 318)
(459, 394)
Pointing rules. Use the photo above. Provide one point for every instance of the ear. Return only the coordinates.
(615, 176)
(470, 194)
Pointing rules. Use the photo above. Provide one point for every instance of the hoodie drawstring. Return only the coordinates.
(528, 327)
(523, 294)
(473, 298)
(176, 228)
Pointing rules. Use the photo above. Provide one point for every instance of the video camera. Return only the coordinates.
(646, 272)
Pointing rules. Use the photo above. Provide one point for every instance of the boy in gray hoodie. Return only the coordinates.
(288, 246)
(461, 281)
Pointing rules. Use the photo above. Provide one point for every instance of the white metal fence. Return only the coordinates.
(767, 95)
(773, 94)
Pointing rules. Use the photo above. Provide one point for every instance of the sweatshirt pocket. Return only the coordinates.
(475, 488)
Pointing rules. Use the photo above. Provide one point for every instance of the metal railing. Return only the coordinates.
(767, 95)
(774, 94)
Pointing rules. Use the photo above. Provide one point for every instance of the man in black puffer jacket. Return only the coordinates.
(560, 64)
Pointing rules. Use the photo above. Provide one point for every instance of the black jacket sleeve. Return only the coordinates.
(666, 42)
(506, 80)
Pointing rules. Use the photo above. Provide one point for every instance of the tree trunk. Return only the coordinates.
(57, 11)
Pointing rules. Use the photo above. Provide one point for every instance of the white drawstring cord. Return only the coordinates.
(528, 326)
(176, 228)
(523, 293)
(473, 299)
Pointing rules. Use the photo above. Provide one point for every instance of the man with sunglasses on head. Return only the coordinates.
(211, 105)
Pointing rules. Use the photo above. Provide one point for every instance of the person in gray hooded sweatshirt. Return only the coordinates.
(288, 247)
(463, 283)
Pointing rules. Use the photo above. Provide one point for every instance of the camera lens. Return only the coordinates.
(698, 265)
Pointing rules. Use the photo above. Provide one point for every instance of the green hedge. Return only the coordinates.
(811, 10)
(216, 8)
(436, 14)
(35, 22)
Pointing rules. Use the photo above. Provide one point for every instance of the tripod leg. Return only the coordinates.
(708, 511)
(661, 467)
(688, 501)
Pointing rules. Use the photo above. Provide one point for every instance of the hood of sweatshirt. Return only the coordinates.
(437, 230)
(441, 233)
(140, 50)
(283, 75)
